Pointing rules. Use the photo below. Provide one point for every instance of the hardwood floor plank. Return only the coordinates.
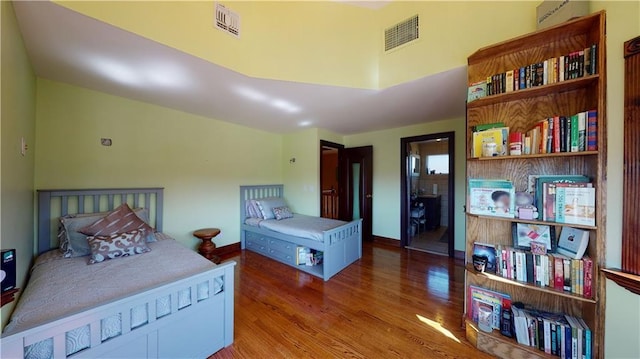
(392, 303)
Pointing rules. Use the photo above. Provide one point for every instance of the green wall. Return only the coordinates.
(18, 93)
(199, 161)
(387, 167)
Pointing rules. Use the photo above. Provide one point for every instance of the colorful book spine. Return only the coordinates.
(574, 134)
(592, 130)
(588, 277)
(582, 131)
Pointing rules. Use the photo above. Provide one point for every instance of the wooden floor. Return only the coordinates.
(390, 304)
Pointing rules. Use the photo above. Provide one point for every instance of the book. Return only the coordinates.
(499, 136)
(574, 134)
(491, 197)
(582, 131)
(508, 81)
(573, 242)
(536, 185)
(489, 251)
(576, 205)
(477, 90)
(477, 296)
(487, 126)
(588, 277)
(592, 130)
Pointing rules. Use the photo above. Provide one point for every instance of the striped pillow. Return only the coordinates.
(120, 220)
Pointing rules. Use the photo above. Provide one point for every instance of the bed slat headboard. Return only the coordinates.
(53, 204)
(257, 192)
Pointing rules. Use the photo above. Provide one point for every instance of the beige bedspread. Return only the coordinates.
(60, 287)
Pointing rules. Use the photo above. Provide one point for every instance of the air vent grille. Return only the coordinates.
(401, 33)
(227, 20)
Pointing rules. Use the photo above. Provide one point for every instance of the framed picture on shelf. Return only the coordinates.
(524, 233)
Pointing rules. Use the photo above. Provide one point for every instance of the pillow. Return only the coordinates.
(268, 204)
(252, 210)
(74, 244)
(120, 220)
(282, 213)
(117, 245)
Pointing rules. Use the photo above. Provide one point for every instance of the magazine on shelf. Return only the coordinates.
(492, 198)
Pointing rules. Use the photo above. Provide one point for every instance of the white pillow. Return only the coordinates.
(268, 204)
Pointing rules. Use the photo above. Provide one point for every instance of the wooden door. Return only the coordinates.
(358, 167)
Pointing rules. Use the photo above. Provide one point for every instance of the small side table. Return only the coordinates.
(207, 247)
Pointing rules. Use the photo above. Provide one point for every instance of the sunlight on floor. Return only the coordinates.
(437, 326)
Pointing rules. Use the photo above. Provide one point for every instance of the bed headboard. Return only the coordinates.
(257, 192)
(53, 204)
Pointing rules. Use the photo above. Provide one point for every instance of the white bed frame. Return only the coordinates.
(341, 246)
(195, 331)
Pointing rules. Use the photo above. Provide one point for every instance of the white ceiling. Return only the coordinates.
(69, 47)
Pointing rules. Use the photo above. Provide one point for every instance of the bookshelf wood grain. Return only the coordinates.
(569, 85)
(532, 221)
(498, 278)
(540, 155)
(500, 345)
(520, 110)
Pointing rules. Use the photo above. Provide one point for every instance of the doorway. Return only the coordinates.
(358, 169)
(331, 189)
(346, 182)
(427, 193)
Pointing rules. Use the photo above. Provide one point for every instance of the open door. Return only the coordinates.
(358, 167)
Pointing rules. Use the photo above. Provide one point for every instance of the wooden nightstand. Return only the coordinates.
(207, 247)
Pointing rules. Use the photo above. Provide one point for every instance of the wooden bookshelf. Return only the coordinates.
(502, 346)
(520, 110)
(539, 155)
(532, 221)
(494, 277)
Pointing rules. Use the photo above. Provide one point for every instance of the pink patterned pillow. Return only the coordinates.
(117, 245)
(282, 213)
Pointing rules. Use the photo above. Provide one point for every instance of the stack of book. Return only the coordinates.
(553, 270)
(309, 257)
(576, 133)
(556, 69)
(564, 198)
(561, 335)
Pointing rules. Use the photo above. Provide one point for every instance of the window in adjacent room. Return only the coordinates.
(437, 164)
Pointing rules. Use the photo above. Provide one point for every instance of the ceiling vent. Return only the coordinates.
(227, 20)
(401, 33)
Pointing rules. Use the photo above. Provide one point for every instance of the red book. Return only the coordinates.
(556, 134)
(558, 273)
(588, 277)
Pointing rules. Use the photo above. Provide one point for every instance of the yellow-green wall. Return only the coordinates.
(302, 177)
(284, 40)
(449, 32)
(18, 96)
(199, 161)
(387, 167)
(622, 317)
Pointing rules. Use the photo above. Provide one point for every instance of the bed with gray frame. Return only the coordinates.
(341, 245)
(187, 316)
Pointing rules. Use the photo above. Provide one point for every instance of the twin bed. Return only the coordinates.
(340, 243)
(167, 303)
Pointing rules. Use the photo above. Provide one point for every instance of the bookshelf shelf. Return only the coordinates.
(541, 155)
(564, 86)
(502, 346)
(497, 278)
(521, 111)
(530, 221)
